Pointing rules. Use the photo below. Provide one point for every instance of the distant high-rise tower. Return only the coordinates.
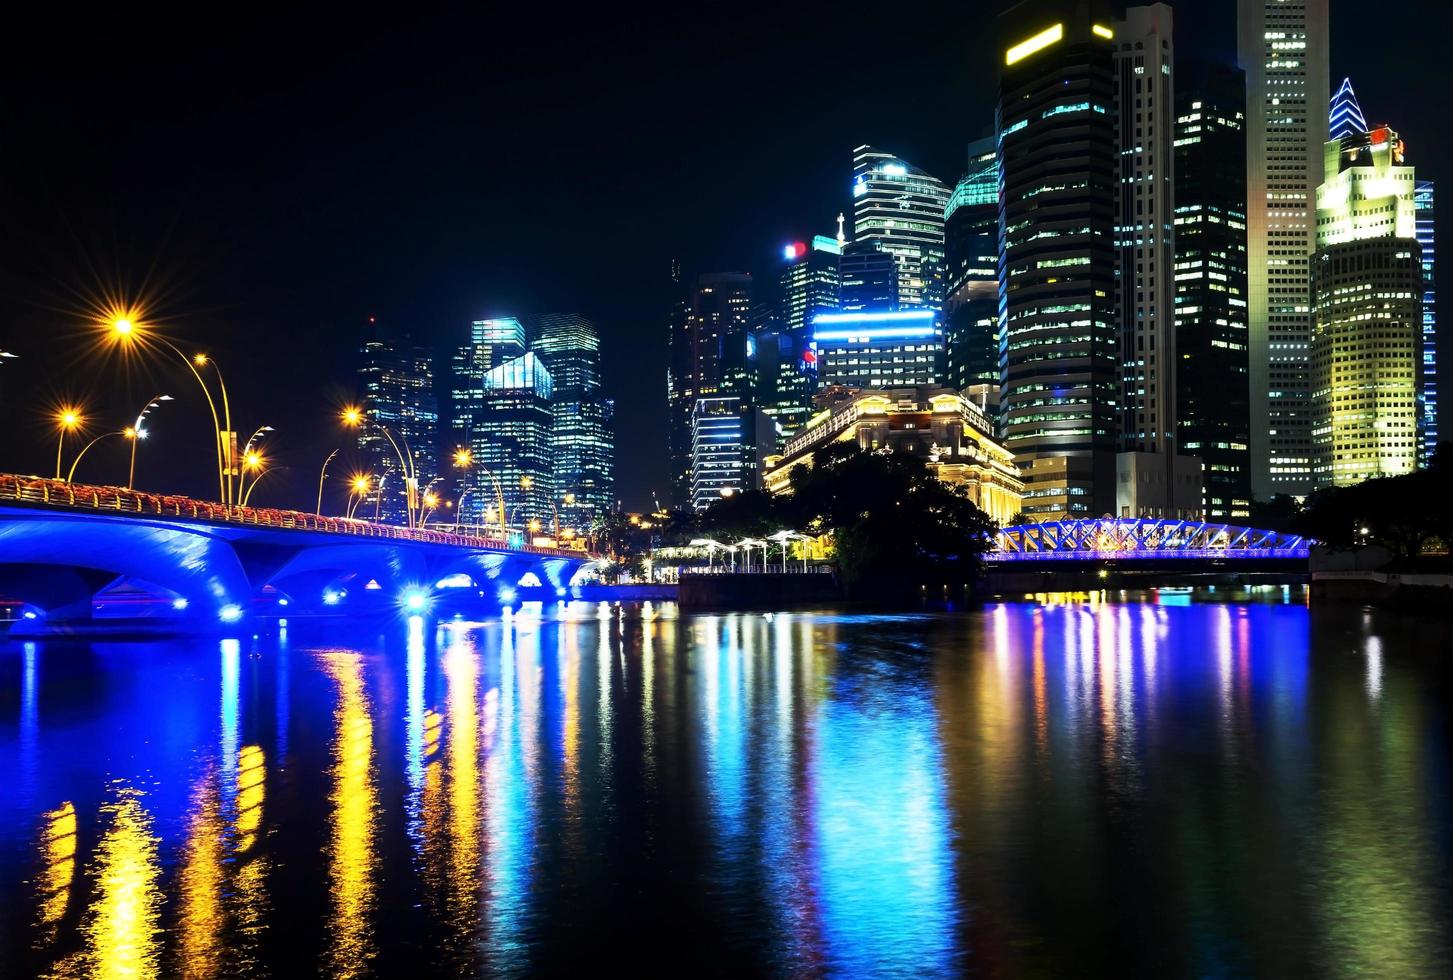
(971, 248)
(869, 278)
(1153, 479)
(786, 363)
(397, 382)
(1367, 292)
(712, 318)
(491, 343)
(1429, 408)
(1058, 165)
(510, 439)
(1282, 47)
(1212, 376)
(582, 439)
(898, 206)
(730, 438)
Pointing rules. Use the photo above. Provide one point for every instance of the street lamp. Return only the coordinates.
(137, 432)
(318, 512)
(68, 420)
(126, 327)
(71, 473)
(464, 459)
(360, 484)
(354, 417)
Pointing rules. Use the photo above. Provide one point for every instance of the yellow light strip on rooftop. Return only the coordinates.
(1102, 30)
(1040, 41)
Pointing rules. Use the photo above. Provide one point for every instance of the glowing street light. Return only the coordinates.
(136, 432)
(360, 484)
(68, 420)
(354, 417)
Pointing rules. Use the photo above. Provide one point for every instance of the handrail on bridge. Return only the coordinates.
(1136, 537)
(59, 493)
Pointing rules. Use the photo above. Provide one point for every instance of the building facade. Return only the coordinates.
(971, 284)
(868, 279)
(729, 440)
(396, 379)
(900, 208)
(1058, 340)
(716, 309)
(1428, 413)
(1282, 47)
(581, 430)
(512, 448)
(933, 423)
(1367, 291)
(879, 349)
(1213, 410)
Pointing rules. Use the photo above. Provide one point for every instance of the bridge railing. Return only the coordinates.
(58, 493)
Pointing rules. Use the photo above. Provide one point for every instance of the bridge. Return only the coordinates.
(71, 552)
(1129, 552)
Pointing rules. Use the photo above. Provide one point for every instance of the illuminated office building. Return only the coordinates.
(900, 208)
(1212, 375)
(729, 440)
(869, 278)
(510, 438)
(1059, 348)
(1282, 47)
(1367, 293)
(785, 362)
(1428, 412)
(715, 311)
(581, 433)
(1152, 478)
(890, 349)
(491, 343)
(971, 250)
(397, 382)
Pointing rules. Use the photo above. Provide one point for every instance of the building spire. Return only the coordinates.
(841, 238)
(1345, 115)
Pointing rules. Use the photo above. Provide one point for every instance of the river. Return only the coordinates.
(1154, 785)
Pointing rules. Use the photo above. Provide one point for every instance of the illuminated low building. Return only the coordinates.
(930, 422)
(879, 349)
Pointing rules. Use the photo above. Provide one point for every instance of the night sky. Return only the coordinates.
(270, 182)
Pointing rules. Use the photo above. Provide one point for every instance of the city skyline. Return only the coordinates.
(257, 306)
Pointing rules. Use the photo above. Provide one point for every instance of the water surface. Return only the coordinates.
(1137, 787)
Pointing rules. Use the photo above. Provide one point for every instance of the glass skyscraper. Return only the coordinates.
(583, 441)
(895, 349)
(510, 437)
(1212, 360)
(1058, 340)
(971, 245)
(900, 208)
(397, 382)
(1282, 47)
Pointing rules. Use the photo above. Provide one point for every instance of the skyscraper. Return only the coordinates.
(1212, 373)
(491, 343)
(716, 311)
(971, 249)
(729, 439)
(1152, 478)
(397, 382)
(1282, 47)
(1059, 352)
(581, 435)
(869, 278)
(785, 361)
(510, 440)
(1429, 407)
(898, 206)
(1367, 291)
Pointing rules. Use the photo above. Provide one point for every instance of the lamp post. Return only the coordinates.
(67, 420)
(464, 460)
(360, 485)
(126, 328)
(138, 433)
(354, 417)
(318, 512)
(71, 473)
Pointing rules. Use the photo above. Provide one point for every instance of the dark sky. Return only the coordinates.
(272, 180)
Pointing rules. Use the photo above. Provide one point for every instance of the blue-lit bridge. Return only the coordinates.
(1132, 551)
(70, 552)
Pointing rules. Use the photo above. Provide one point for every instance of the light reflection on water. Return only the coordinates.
(1066, 787)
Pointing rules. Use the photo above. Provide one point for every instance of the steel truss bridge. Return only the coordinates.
(65, 546)
(1141, 539)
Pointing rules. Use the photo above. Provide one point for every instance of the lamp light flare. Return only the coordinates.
(351, 416)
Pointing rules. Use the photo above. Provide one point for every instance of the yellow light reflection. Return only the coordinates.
(122, 931)
(58, 850)
(352, 860)
(202, 887)
(251, 773)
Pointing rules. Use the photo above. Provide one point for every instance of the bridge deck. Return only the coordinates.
(50, 493)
